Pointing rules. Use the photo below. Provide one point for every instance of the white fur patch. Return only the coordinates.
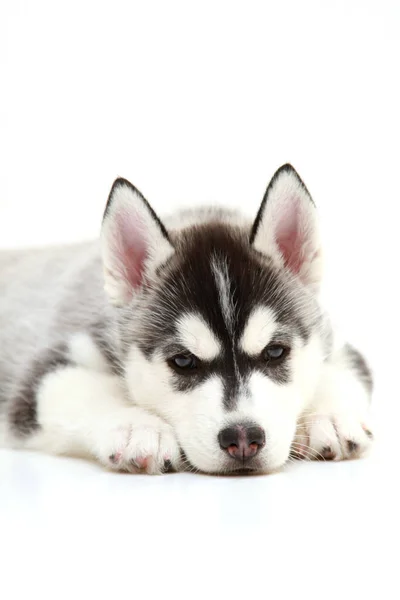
(338, 414)
(71, 404)
(221, 276)
(84, 413)
(259, 330)
(84, 352)
(198, 338)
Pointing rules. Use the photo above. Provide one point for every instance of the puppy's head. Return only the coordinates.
(219, 322)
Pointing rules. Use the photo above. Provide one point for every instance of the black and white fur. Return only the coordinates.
(89, 336)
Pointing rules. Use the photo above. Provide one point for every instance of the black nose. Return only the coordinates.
(242, 441)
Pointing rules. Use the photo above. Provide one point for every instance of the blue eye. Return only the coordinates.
(182, 361)
(275, 352)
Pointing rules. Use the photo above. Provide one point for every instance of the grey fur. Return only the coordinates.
(359, 365)
(46, 295)
(22, 415)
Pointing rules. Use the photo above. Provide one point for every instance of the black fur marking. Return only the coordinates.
(285, 168)
(234, 378)
(359, 365)
(327, 453)
(232, 388)
(352, 446)
(188, 286)
(168, 467)
(120, 182)
(23, 414)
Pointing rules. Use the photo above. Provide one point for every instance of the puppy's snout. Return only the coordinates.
(242, 442)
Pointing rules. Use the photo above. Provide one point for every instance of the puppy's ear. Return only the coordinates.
(286, 227)
(134, 242)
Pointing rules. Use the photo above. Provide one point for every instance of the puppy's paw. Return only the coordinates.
(332, 437)
(137, 442)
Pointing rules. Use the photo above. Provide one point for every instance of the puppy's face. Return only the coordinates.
(220, 323)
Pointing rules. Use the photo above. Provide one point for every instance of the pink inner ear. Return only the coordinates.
(291, 236)
(131, 248)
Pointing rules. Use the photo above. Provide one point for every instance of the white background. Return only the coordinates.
(200, 102)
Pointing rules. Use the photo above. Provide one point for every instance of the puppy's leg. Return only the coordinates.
(337, 424)
(79, 411)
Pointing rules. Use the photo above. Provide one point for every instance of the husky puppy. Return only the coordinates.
(195, 342)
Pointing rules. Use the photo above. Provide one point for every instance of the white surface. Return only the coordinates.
(200, 103)
(320, 530)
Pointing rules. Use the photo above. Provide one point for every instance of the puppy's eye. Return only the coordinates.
(275, 353)
(183, 362)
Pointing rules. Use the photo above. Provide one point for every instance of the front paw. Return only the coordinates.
(332, 437)
(137, 442)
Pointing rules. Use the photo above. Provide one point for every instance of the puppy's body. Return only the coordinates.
(183, 358)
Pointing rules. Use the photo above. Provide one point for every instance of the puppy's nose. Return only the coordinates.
(242, 441)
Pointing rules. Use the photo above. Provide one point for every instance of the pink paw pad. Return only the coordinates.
(142, 461)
